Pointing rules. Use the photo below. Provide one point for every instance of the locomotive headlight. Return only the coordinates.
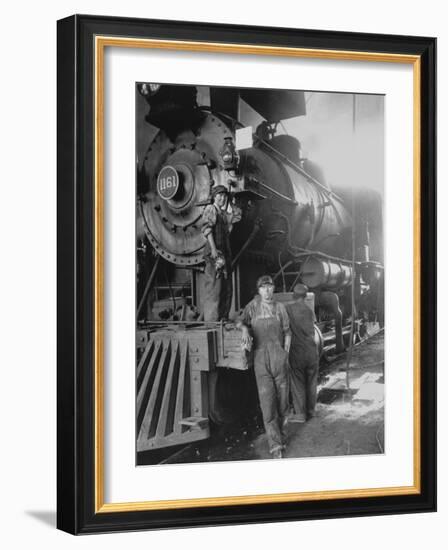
(229, 155)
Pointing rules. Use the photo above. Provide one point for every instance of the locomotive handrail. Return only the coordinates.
(275, 192)
(246, 244)
(305, 252)
(298, 168)
(148, 286)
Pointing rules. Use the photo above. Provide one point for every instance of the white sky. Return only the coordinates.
(348, 158)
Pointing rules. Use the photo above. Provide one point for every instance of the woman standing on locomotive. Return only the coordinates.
(217, 256)
(269, 322)
(218, 219)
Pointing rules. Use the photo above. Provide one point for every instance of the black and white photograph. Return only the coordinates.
(260, 318)
(220, 275)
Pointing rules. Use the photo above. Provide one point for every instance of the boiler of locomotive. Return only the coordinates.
(300, 211)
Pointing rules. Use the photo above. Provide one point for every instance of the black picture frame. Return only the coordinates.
(79, 504)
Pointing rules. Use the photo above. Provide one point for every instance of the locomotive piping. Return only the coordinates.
(296, 167)
(277, 193)
(148, 285)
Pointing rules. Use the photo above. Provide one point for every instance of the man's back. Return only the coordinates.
(301, 320)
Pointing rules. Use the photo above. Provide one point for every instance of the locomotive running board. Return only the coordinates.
(172, 389)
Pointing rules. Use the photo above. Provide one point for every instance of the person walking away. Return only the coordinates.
(265, 324)
(303, 356)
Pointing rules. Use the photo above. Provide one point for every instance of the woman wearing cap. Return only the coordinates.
(217, 256)
(269, 324)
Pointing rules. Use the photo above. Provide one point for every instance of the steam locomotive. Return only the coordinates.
(292, 225)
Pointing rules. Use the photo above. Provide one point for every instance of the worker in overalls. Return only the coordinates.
(216, 226)
(265, 326)
(303, 356)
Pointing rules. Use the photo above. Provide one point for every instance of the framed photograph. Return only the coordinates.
(246, 274)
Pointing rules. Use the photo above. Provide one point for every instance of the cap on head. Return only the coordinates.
(219, 189)
(264, 280)
(299, 291)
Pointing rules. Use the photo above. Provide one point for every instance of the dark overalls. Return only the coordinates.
(217, 289)
(303, 359)
(270, 366)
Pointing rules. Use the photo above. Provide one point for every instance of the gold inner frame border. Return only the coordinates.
(101, 42)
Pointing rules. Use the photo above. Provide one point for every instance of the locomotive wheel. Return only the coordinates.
(230, 395)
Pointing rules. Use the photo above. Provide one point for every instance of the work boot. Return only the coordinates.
(277, 453)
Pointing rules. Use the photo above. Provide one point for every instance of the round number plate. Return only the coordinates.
(167, 182)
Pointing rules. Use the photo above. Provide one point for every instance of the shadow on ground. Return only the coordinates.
(48, 517)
